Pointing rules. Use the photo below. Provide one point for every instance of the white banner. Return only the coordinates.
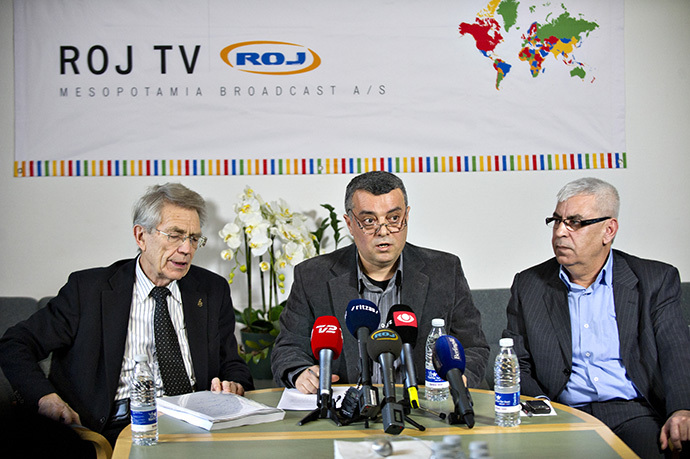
(182, 87)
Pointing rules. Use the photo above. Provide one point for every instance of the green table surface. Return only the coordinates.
(571, 433)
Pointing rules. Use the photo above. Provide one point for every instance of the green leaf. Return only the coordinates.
(261, 326)
(275, 312)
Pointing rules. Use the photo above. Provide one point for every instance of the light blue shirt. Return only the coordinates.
(598, 373)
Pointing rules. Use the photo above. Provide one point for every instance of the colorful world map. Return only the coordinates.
(557, 36)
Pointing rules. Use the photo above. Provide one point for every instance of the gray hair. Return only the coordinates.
(147, 210)
(376, 183)
(605, 194)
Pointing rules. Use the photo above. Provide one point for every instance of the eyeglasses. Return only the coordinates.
(571, 224)
(178, 239)
(394, 223)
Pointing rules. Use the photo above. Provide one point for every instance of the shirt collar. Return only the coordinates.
(605, 276)
(143, 285)
(362, 278)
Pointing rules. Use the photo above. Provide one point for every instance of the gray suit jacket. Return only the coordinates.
(654, 338)
(85, 327)
(433, 286)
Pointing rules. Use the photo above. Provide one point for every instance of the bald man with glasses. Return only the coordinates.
(381, 267)
(601, 330)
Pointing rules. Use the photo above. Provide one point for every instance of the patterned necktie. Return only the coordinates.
(173, 373)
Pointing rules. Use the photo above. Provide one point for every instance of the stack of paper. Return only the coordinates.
(213, 411)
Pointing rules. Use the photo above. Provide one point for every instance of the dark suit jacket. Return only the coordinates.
(434, 285)
(654, 338)
(85, 327)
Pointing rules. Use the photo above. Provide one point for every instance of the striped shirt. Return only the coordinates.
(384, 299)
(140, 333)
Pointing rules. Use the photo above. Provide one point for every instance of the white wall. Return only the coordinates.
(493, 220)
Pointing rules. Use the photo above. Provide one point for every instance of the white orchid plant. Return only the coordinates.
(279, 238)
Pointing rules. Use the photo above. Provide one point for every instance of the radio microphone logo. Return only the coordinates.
(405, 318)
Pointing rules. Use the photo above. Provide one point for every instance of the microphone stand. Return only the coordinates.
(457, 416)
(407, 409)
(325, 408)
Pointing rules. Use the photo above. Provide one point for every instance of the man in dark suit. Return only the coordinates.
(103, 317)
(380, 267)
(602, 330)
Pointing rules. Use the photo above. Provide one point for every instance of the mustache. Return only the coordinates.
(561, 244)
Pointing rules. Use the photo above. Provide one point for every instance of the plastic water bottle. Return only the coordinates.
(142, 404)
(436, 389)
(507, 385)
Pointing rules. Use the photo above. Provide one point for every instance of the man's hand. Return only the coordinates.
(676, 430)
(308, 381)
(55, 408)
(227, 387)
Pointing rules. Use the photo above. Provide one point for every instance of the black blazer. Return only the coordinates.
(85, 327)
(654, 338)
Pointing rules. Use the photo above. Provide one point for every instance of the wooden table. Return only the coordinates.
(572, 433)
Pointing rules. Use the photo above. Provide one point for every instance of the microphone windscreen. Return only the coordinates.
(448, 354)
(384, 340)
(326, 334)
(403, 320)
(362, 313)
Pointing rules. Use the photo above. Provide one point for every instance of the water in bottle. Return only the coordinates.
(142, 404)
(507, 385)
(436, 389)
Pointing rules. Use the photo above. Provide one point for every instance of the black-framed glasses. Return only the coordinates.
(178, 239)
(572, 224)
(370, 225)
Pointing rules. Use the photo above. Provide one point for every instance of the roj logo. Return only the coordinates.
(270, 57)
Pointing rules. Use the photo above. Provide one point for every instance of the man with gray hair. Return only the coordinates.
(104, 317)
(601, 330)
(383, 268)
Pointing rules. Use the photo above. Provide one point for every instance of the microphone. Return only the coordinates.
(449, 363)
(326, 344)
(402, 319)
(385, 345)
(362, 317)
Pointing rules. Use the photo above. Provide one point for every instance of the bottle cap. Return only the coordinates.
(141, 358)
(438, 323)
(506, 342)
(454, 440)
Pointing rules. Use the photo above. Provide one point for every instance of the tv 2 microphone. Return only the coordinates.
(362, 317)
(402, 319)
(326, 344)
(384, 346)
(449, 363)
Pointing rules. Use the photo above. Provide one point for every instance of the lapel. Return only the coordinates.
(625, 299)
(342, 287)
(195, 306)
(415, 283)
(555, 300)
(115, 307)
